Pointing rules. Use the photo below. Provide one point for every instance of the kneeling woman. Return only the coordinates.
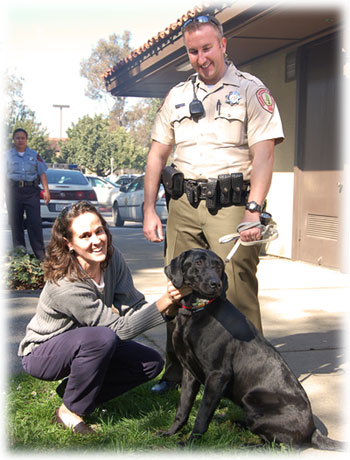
(75, 332)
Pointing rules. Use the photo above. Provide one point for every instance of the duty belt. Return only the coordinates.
(226, 190)
(24, 183)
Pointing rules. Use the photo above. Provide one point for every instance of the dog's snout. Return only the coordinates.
(215, 283)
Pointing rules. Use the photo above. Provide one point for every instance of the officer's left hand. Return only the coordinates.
(46, 196)
(252, 234)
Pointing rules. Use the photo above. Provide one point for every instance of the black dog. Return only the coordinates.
(219, 348)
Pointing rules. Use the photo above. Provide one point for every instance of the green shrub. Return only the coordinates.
(23, 271)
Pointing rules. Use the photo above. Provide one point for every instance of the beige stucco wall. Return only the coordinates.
(271, 70)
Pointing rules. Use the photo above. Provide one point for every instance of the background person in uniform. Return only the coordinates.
(233, 131)
(25, 170)
(75, 333)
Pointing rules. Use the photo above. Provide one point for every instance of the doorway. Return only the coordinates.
(318, 176)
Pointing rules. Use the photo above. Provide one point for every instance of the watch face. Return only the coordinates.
(252, 206)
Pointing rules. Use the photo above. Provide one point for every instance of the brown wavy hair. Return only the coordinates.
(60, 262)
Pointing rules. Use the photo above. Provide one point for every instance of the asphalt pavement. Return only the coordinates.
(304, 312)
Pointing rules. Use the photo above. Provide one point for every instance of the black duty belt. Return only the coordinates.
(24, 183)
(225, 190)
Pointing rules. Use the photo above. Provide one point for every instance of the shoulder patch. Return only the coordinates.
(265, 99)
(38, 157)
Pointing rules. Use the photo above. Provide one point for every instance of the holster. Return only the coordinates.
(173, 181)
(192, 192)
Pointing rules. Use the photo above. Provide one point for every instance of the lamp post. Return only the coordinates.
(61, 106)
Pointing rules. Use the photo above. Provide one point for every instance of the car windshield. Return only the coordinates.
(112, 183)
(67, 177)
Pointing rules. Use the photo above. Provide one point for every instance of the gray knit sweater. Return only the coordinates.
(70, 305)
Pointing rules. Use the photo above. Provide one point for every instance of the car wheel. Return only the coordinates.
(117, 220)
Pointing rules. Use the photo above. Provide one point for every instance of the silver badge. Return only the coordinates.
(233, 98)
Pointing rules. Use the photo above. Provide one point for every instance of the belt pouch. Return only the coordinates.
(173, 181)
(190, 189)
(225, 189)
(237, 187)
(211, 196)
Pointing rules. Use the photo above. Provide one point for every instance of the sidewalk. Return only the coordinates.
(304, 311)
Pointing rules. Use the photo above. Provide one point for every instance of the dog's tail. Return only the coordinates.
(320, 441)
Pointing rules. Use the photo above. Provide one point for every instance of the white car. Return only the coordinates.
(67, 186)
(105, 190)
(130, 203)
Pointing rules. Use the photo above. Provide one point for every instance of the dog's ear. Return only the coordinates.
(174, 270)
(224, 284)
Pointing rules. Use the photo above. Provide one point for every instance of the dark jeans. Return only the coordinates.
(100, 366)
(25, 200)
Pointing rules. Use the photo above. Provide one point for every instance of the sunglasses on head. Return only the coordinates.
(200, 20)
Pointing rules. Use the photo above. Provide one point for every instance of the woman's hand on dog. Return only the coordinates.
(169, 301)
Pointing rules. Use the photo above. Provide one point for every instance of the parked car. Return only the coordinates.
(125, 179)
(66, 187)
(105, 190)
(130, 203)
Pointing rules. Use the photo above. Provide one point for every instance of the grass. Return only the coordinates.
(127, 424)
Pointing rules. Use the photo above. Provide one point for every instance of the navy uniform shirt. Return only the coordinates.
(27, 167)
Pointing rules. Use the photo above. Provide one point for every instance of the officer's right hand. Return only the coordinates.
(152, 227)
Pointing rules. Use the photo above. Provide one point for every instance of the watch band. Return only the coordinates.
(253, 206)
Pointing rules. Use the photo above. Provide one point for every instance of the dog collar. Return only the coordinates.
(198, 305)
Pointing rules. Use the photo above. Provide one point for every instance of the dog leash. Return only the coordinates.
(268, 232)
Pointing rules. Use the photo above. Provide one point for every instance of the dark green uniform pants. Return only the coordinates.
(190, 227)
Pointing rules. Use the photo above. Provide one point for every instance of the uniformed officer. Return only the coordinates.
(25, 170)
(224, 124)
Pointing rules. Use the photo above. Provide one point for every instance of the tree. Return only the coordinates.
(104, 56)
(92, 143)
(19, 115)
(138, 118)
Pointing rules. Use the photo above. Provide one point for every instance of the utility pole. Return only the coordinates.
(61, 106)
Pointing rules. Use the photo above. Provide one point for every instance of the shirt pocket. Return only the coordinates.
(14, 167)
(182, 124)
(230, 124)
(30, 166)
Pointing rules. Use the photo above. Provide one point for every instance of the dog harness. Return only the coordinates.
(227, 315)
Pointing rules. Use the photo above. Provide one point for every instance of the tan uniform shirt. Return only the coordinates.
(239, 112)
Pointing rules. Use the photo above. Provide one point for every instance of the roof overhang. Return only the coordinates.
(252, 29)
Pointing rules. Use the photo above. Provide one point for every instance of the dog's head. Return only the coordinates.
(200, 269)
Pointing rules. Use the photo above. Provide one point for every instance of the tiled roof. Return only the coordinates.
(172, 29)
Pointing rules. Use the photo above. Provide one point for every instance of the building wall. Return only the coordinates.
(271, 70)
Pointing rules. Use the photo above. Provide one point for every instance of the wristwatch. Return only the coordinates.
(252, 206)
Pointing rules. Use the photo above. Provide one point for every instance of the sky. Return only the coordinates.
(44, 42)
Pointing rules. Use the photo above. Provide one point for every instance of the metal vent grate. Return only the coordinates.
(320, 226)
